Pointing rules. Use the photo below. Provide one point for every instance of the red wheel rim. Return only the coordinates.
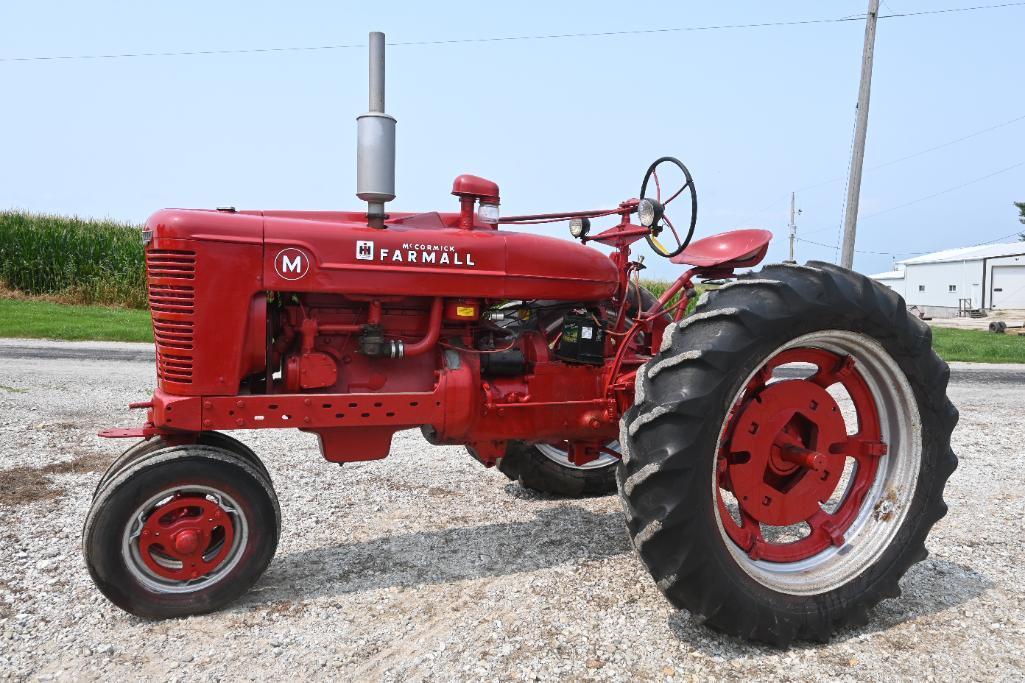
(784, 453)
(186, 537)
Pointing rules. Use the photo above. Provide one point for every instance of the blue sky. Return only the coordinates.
(559, 124)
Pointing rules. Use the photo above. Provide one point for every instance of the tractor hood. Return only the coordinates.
(415, 254)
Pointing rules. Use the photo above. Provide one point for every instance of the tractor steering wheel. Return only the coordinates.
(654, 209)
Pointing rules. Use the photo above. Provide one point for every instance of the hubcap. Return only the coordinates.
(817, 462)
(184, 539)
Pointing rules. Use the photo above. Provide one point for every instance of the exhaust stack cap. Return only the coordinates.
(375, 142)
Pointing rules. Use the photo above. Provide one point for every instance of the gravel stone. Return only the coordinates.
(426, 566)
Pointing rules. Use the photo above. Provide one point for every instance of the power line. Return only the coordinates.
(496, 39)
(860, 251)
(906, 253)
(931, 196)
(913, 155)
(948, 11)
(949, 189)
(948, 144)
(1016, 233)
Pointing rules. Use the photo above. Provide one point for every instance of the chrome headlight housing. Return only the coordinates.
(578, 227)
(649, 212)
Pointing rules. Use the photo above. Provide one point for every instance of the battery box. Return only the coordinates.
(582, 340)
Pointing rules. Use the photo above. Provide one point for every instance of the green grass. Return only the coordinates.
(75, 260)
(46, 320)
(978, 346)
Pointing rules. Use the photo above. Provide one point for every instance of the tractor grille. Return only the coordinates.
(170, 274)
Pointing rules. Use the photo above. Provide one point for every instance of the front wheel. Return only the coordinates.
(788, 452)
(181, 530)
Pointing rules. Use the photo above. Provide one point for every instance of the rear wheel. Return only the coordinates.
(788, 452)
(182, 530)
(548, 468)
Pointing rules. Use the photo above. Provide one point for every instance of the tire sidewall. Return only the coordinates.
(123, 495)
(705, 449)
(671, 436)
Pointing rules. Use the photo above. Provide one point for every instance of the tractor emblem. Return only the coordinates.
(364, 250)
(292, 264)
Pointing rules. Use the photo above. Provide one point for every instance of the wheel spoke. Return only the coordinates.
(826, 525)
(840, 372)
(677, 193)
(860, 448)
(675, 234)
(753, 543)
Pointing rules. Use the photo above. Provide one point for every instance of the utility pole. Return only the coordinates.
(850, 223)
(793, 230)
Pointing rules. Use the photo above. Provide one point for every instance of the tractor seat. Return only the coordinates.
(726, 251)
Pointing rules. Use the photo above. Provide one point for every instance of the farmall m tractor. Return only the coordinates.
(780, 452)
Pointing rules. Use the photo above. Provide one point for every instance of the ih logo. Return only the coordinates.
(364, 250)
(292, 264)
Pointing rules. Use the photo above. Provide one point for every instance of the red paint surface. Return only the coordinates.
(422, 282)
(785, 449)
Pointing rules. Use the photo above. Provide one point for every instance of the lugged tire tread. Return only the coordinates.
(689, 382)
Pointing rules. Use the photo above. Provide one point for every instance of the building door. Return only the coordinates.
(1008, 287)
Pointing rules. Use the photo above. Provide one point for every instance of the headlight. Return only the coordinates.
(578, 227)
(488, 213)
(648, 212)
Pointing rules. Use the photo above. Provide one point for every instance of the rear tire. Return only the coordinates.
(180, 531)
(691, 434)
(546, 468)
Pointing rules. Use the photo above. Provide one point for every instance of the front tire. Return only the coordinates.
(154, 443)
(754, 501)
(180, 531)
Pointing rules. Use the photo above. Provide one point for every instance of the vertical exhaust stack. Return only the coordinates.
(375, 143)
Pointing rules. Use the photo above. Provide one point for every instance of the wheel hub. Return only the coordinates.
(779, 460)
(187, 542)
(785, 452)
(186, 537)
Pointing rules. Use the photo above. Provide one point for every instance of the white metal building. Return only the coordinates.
(989, 277)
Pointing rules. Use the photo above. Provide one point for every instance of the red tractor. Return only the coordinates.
(780, 452)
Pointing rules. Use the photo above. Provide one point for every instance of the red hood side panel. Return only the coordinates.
(423, 256)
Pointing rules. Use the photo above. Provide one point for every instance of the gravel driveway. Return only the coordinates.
(427, 566)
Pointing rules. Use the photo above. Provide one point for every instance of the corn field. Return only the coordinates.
(657, 287)
(87, 261)
(73, 260)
